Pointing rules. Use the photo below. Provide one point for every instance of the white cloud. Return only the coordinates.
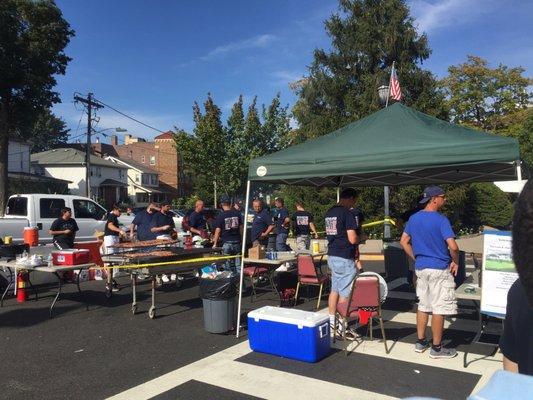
(285, 77)
(259, 41)
(433, 15)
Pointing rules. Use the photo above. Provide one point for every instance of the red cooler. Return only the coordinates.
(71, 257)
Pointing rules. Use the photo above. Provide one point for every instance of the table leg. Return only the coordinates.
(32, 287)
(134, 293)
(9, 284)
(57, 294)
(78, 281)
(151, 311)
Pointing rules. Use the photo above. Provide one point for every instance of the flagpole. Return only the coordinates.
(390, 80)
(386, 192)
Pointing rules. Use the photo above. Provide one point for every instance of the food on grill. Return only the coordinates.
(156, 253)
(144, 243)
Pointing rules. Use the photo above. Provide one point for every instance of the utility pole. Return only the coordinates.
(90, 102)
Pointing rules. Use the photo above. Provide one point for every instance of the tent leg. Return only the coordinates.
(518, 170)
(386, 225)
(338, 193)
(242, 257)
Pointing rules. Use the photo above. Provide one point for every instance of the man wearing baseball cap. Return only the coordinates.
(228, 232)
(428, 239)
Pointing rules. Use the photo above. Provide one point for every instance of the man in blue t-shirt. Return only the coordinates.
(282, 224)
(143, 221)
(228, 229)
(303, 225)
(341, 235)
(428, 239)
(262, 224)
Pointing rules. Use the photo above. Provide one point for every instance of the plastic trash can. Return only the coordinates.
(219, 302)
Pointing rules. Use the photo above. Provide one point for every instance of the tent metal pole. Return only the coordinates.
(518, 170)
(338, 193)
(386, 225)
(243, 249)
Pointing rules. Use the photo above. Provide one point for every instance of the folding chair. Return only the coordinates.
(258, 271)
(308, 276)
(364, 295)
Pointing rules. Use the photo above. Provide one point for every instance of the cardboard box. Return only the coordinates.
(256, 252)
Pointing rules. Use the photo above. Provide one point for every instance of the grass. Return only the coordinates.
(499, 265)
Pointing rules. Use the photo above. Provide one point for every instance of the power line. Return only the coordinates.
(130, 117)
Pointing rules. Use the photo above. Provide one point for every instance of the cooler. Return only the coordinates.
(290, 333)
(71, 257)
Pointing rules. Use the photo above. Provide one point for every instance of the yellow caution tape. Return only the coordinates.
(368, 224)
(158, 264)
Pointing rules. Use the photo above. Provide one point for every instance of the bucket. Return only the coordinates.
(315, 246)
(8, 239)
(31, 236)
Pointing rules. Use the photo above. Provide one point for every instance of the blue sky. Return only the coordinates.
(153, 59)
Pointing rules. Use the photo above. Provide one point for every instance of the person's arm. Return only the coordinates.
(111, 226)
(405, 242)
(132, 230)
(509, 365)
(156, 229)
(268, 230)
(313, 229)
(454, 253)
(352, 236)
(55, 231)
(216, 236)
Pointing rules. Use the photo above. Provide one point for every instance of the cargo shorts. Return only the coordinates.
(435, 289)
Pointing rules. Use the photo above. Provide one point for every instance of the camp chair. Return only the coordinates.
(256, 272)
(364, 295)
(308, 276)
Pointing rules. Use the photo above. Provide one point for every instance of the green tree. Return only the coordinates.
(33, 36)
(47, 132)
(482, 97)
(366, 37)
(520, 126)
(487, 205)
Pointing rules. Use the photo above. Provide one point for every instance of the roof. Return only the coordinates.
(112, 182)
(70, 156)
(394, 146)
(133, 164)
(36, 177)
(166, 135)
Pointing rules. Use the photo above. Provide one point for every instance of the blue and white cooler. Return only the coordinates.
(290, 333)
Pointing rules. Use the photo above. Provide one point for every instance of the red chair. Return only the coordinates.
(308, 276)
(256, 272)
(364, 295)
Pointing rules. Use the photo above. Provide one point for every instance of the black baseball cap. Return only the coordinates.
(429, 192)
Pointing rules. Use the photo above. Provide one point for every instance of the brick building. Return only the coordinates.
(160, 155)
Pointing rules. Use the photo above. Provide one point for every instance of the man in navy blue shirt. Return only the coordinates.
(228, 229)
(303, 224)
(262, 224)
(142, 222)
(197, 222)
(428, 239)
(283, 222)
(162, 222)
(340, 232)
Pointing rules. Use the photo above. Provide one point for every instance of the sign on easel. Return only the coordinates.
(498, 274)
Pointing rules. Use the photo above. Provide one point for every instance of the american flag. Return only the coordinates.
(395, 91)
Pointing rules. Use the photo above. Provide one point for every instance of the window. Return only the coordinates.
(98, 171)
(137, 178)
(51, 208)
(120, 173)
(88, 209)
(152, 160)
(153, 179)
(145, 179)
(142, 197)
(17, 206)
(143, 159)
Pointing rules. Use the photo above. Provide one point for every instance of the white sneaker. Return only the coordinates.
(165, 279)
(173, 277)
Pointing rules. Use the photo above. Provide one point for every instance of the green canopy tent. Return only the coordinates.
(394, 146)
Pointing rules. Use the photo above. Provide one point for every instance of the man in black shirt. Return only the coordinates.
(303, 224)
(162, 222)
(228, 228)
(340, 231)
(197, 221)
(516, 342)
(112, 234)
(64, 230)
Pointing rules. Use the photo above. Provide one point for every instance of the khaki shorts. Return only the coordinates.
(435, 289)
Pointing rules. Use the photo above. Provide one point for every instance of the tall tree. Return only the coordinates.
(481, 97)
(33, 36)
(47, 132)
(366, 37)
(491, 99)
(235, 165)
